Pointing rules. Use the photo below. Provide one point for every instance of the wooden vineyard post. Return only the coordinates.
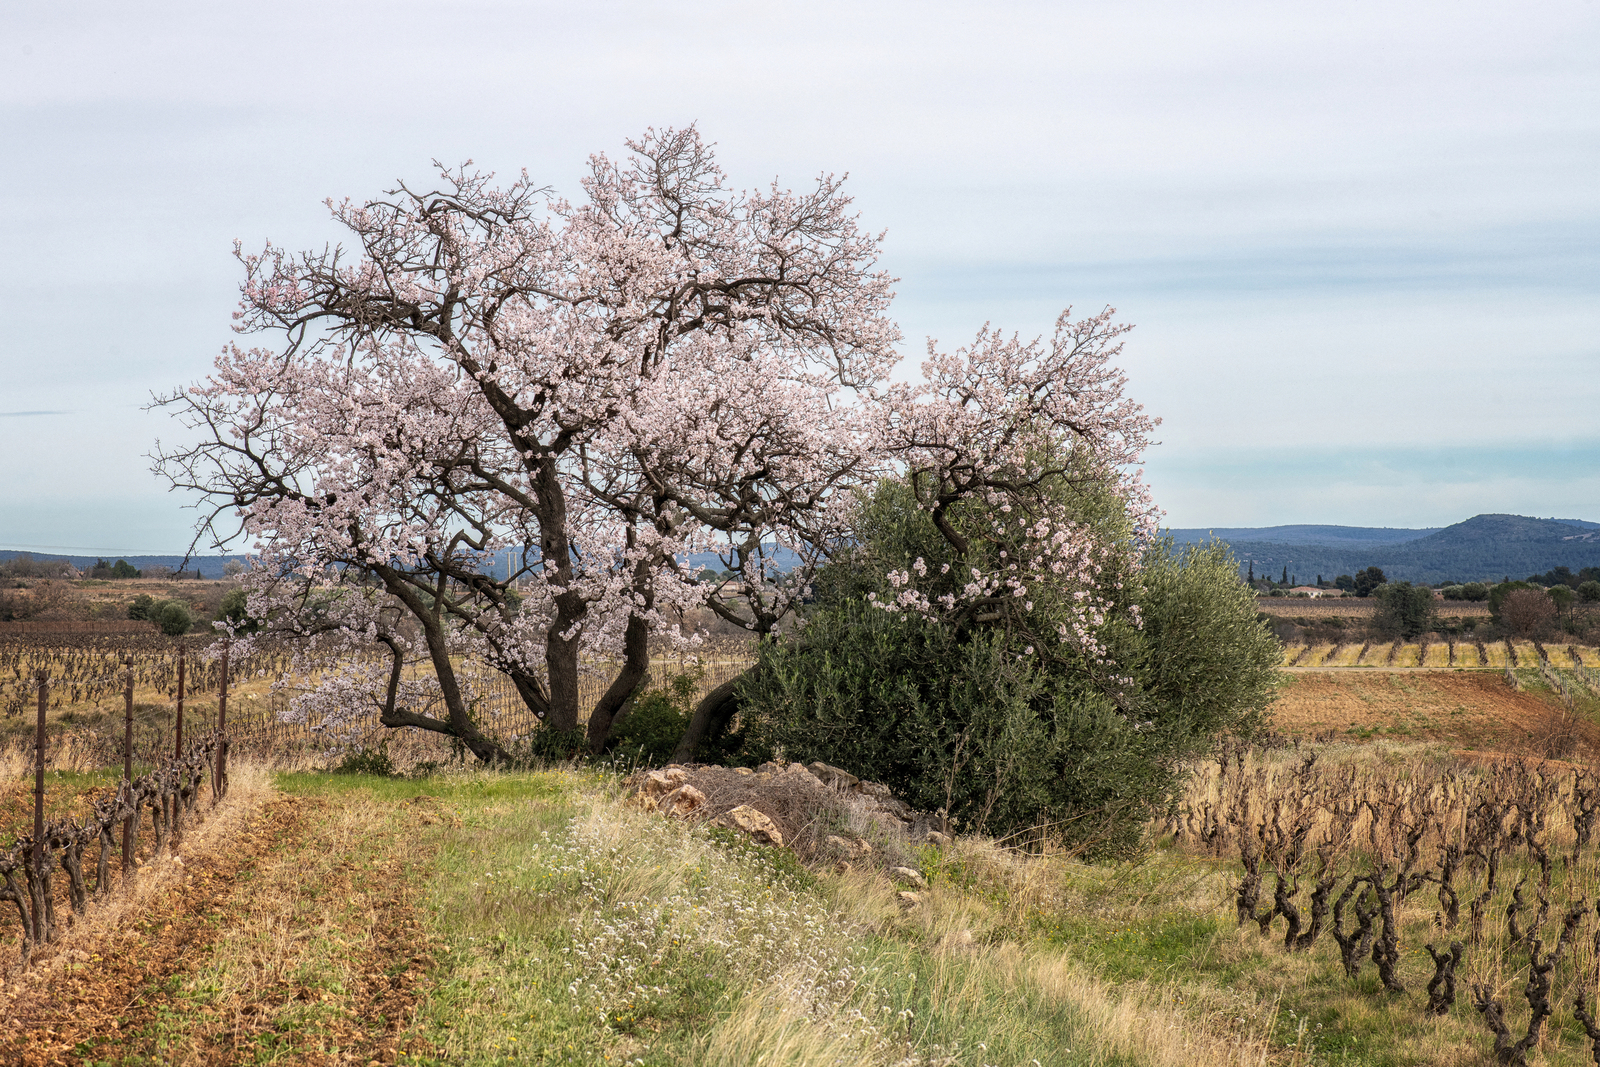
(177, 748)
(38, 779)
(219, 777)
(127, 765)
(175, 817)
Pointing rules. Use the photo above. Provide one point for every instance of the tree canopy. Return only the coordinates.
(601, 388)
(1004, 717)
(1404, 609)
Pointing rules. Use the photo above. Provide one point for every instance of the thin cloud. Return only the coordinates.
(25, 414)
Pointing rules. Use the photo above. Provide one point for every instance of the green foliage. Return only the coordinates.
(234, 611)
(993, 723)
(547, 745)
(123, 569)
(1564, 576)
(374, 761)
(1497, 595)
(1404, 609)
(173, 616)
(1367, 580)
(1207, 663)
(650, 732)
(1589, 592)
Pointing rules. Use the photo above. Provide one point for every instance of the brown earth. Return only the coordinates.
(142, 996)
(1359, 607)
(1470, 709)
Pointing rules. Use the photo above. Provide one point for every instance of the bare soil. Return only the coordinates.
(1359, 607)
(134, 1000)
(1475, 710)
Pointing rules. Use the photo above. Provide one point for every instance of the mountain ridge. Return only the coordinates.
(1486, 547)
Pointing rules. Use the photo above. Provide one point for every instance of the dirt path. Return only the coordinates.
(280, 947)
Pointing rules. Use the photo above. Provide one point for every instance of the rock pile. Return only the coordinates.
(817, 810)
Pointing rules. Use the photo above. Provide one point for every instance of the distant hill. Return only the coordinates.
(1366, 536)
(209, 566)
(1483, 548)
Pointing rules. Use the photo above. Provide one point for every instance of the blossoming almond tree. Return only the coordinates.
(599, 389)
(999, 422)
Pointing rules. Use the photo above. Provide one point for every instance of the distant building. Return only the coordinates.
(1313, 591)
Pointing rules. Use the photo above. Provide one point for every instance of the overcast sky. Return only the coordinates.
(1360, 241)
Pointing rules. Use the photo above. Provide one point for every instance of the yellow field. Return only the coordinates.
(1342, 656)
(1437, 656)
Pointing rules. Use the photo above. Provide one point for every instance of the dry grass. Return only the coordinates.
(1438, 789)
(1437, 655)
(1342, 655)
(249, 788)
(620, 936)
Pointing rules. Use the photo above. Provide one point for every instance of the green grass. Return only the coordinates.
(568, 927)
(578, 930)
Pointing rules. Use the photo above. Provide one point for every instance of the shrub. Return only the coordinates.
(651, 730)
(173, 617)
(974, 719)
(549, 744)
(374, 760)
(1589, 592)
(1497, 596)
(141, 606)
(234, 611)
(1404, 609)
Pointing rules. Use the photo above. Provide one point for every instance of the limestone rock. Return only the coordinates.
(852, 847)
(938, 840)
(907, 876)
(908, 899)
(657, 783)
(682, 802)
(832, 777)
(754, 823)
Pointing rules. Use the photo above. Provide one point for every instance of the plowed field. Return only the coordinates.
(1471, 709)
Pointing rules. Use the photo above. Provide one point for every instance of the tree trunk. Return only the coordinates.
(561, 665)
(717, 708)
(635, 668)
(461, 724)
(555, 550)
